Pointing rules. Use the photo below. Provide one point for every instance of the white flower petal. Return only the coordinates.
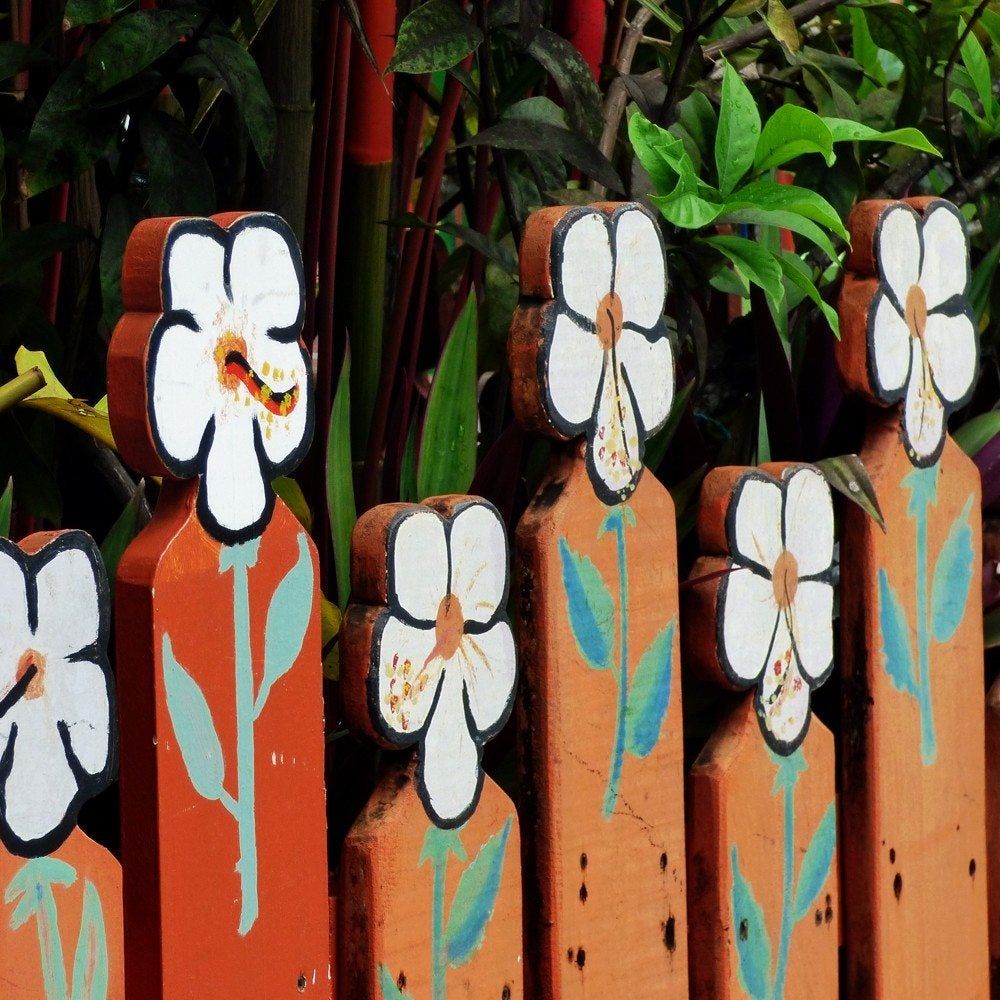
(489, 666)
(235, 493)
(749, 620)
(449, 756)
(77, 692)
(809, 521)
(584, 272)
(574, 364)
(640, 269)
(263, 276)
(479, 560)
(923, 413)
(950, 342)
(407, 683)
(186, 389)
(783, 696)
(945, 271)
(418, 564)
(282, 434)
(649, 368)
(15, 636)
(891, 342)
(614, 445)
(195, 269)
(68, 608)
(755, 536)
(899, 250)
(812, 627)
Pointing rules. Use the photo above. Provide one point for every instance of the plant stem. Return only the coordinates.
(439, 984)
(618, 754)
(21, 387)
(928, 738)
(785, 941)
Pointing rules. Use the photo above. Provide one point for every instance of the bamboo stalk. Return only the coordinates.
(21, 387)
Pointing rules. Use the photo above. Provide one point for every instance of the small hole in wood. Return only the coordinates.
(663, 861)
(301, 984)
(670, 934)
(819, 918)
(972, 867)
(583, 893)
(897, 885)
(401, 981)
(569, 954)
(581, 958)
(892, 855)
(829, 912)
(583, 862)
(744, 929)
(506, 993)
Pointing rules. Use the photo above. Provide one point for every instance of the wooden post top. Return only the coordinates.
(207, 376)
(589, 350)
(908, 334)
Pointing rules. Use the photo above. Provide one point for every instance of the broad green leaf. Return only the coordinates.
(896, 28)
(748, 213)
(738, 132)
(740, 8)
(976, 433)
(13, 58)
(982, 282)
(340, 506)
(475, 898)
(448, 446)
(962, 100)
(294, 499)
(661, 154)
(90, 962)
(590, 607)
(6, 504)
(952, 577)
(895, 633)
(686, 209)
(782, 25)
(790, 132)
(649, 695)
(117, 227)
(696, 115)
(193, 726)
(753, 943)
(573, 77)
(80, 12)
(769, 194)
(657, 445)
(390, 990)
(436, 35)
(754, 264)
(664, 16)
(844, 130)
(27, 248)
(180, 180)
(816, 864)
(797, 273)
(848, 475)
(330, 620)
(977, 63)
(125, 528)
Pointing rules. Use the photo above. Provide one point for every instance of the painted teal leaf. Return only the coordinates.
(650, 694)
(90, 963)
(816, 864)
(952, 577)
(788, 769)
(287, 620)
(475, 898)
(438, 844)
(753, 944)
(193, 726)
(591, 607)
(895, 631)
(390, 991)
(30, 878)
(922, 484)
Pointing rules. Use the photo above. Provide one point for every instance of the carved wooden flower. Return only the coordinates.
(923, 347)
(230, 397)
(438, 660)
(56, 746)
(605, 365)
(775, 609)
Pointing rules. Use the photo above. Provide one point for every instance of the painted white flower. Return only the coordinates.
(443, 665)
(56, 746)
(922, 342)
(230, 397)
(775, 609)
(607, 364)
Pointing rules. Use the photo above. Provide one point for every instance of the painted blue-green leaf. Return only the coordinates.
(952, 577)
(816, 864)
(475, 897)
(287, 620)
(895, 631)
(591, 607)
(789, 767)
(923, 487)
(438, 844)
(650, 694)
(390, 991)
(28, 883)
(90, 963)
(194, 727)
(753, 944)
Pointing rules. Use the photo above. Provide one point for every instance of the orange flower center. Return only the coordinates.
(785, 579)
(916, 311)
(449, 628)
(31, 661)
(229, 344)
(609, 320)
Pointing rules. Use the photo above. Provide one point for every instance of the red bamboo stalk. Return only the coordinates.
(53, 266)
(582, 23)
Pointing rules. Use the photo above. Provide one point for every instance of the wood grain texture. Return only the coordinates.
(426, 912)
(243, 628)
(602, 778)
(737, 812)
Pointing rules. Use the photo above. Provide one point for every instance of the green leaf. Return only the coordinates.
(294, 499)
(180, 180)
(590, 606)
(193, 725)
(288, 617)
(797, 272)
(28, 248)
(991, 628)
(895, 633)
(748, 213)
(976, 433)
(661, 154)
(977, 63)
(80, 12)
(753, 263)
(657, 445)
(982, 282)
(448, 446)
(340, 506)
(738, 132)
(816, 864)
(896, 28)
(769, 194)
(475, 898)
(117, 227)
(847, 474)
(6, 503)
(571, 74)
(790, 132)
(649, 696)
(782, 25)
(90, 961)
(13, 58)
(753, 944)
(434, 36)
(844, 130)
(953, 577)
(125, 528)
(696, 115)
(390, 991)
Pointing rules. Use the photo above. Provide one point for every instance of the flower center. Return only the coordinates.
(31, 666)
(609, 320)
(229, 344)
(785, 579)
(916, 311)
(449, 628)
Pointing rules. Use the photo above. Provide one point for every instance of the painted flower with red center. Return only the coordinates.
(230, 396)
(443, 664)
(56, 695)
(923, 347)
(775, 609)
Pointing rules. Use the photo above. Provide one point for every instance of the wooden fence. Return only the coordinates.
(784, 863)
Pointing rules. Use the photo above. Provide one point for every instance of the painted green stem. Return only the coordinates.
(50, 942)
(618, 753)
(787, 895)
(438, 957)
(928, 737)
